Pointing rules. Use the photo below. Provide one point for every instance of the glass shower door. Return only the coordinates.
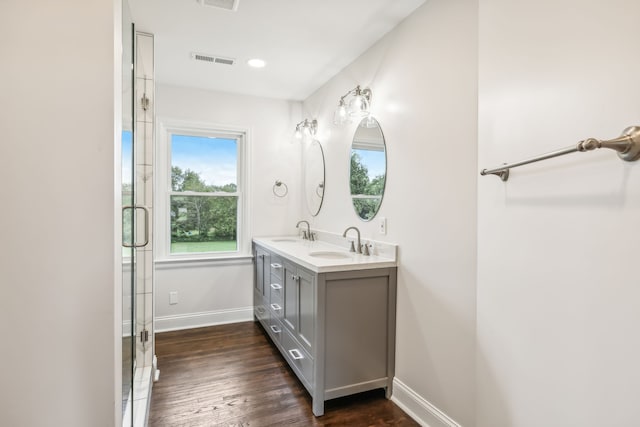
(128, 217)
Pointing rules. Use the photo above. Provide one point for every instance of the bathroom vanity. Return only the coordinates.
(331, 314)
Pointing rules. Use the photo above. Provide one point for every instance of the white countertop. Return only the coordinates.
(320, 256)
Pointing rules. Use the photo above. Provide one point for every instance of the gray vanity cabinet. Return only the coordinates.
(299, 304)
(335, 329)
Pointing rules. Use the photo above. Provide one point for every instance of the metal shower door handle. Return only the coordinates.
(146, 228)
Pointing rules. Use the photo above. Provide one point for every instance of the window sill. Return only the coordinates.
(167, 263)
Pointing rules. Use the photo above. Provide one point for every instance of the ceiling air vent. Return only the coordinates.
(221, 4)
(212, 59)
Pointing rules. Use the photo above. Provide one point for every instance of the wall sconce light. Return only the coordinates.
(357, 108)
(306, 128)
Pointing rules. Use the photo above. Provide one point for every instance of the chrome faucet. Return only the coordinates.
(359, 250)
(306, 235)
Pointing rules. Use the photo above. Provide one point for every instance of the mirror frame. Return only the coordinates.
(324, 178)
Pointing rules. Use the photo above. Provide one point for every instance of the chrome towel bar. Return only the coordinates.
(627, 145)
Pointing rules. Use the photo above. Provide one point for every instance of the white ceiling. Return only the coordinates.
(305, 42)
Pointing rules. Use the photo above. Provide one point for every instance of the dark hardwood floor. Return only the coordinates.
(232, 376)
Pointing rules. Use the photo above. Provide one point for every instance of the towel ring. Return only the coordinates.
(276, 189)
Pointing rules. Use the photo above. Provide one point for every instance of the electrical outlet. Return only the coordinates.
(382, 225)
(173, 298)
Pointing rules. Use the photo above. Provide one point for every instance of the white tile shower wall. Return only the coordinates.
(144, 148)
(145, 66)
(144, 351)
(144, 271)
(145, 88)
(144, 152)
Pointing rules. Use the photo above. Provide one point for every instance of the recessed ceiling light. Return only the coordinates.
(256, 63)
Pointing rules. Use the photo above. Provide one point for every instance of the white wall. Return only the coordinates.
(423, 78)
(57, 216)
(212, 292)
(558, 313)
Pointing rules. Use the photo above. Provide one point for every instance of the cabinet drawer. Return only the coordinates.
(276, 290)
(298, 358)
(275, 265)
(276, 310)
(274, 329)
(259, 308)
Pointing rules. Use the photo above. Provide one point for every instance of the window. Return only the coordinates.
(205, 196)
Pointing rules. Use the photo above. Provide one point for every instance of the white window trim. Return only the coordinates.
(162, 188)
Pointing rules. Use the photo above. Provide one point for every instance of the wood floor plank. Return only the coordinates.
(232, 376)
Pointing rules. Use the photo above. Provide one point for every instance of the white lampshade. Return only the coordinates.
(340, 116)
(358, 107)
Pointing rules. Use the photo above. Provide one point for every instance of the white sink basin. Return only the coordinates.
(330, 254)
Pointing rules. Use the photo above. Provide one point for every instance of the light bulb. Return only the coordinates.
(297, 134)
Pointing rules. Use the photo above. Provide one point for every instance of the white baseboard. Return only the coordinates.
(426, 414)
(199, 320)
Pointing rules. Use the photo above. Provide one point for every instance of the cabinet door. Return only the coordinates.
(290, 315)
(262, 271)
(306, 308)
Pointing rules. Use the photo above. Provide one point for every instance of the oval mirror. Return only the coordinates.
(314, 177)
(368, 171)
